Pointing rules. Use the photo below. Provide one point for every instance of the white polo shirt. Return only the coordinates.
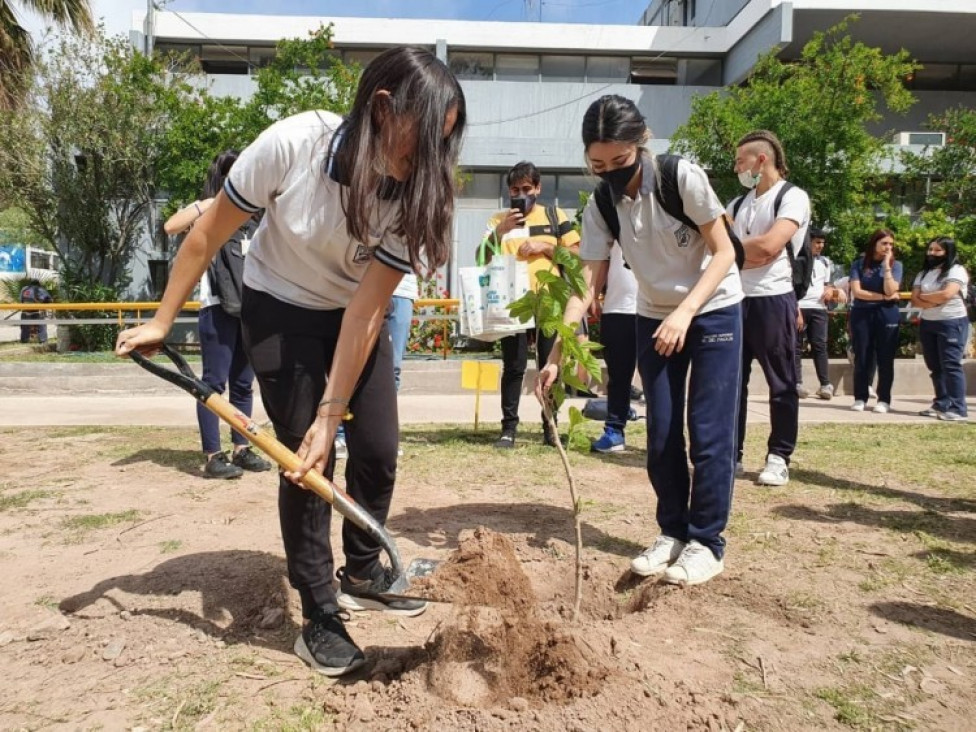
(822, 268)
(929, 282)
(302, 253)
(756, 217)
(621, 295)
(665, 255)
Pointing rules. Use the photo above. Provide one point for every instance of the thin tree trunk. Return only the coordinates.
(577, 507)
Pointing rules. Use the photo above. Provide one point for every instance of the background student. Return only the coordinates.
(221, 341)
(944, 328)
(875, 280)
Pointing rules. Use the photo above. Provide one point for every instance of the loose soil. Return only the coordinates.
(137, 595)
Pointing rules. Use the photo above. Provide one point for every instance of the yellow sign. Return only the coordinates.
(480, 376)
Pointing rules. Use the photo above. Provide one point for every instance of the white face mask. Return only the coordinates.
(749, 179)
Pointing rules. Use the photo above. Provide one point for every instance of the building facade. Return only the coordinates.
(528, 84)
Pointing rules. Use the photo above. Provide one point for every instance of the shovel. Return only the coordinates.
(313, 480)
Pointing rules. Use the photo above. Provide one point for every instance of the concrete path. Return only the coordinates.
(28, 410)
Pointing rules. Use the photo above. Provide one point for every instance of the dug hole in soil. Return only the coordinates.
(497, 646)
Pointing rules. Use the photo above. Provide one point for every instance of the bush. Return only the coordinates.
(427, 336)
(90, 337)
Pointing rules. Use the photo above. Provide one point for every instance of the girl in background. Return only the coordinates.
(944, 328)
(221, 343)
(875, 280)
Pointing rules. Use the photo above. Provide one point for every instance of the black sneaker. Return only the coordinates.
(549, 440)
(507, 440)
(325, 645)
(366, 594)
(220, 467)
(636, 395)
(249, 460)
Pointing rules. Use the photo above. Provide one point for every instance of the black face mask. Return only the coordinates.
(932, 261)
(618, 178)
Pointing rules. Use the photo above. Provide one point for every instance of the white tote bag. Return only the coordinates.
(486, 293)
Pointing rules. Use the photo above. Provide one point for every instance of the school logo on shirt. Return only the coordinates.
(363, 254)
(683, 235)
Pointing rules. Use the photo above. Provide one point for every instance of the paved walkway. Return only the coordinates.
(28, 410)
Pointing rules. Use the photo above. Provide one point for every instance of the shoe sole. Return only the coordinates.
(774, 482)
(223, 477)
(660, 569)
(301, 650)
(681, 582)
(615, 448)
(364, 604)
(255, 470)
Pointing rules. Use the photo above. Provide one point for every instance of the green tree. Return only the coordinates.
(949, 170)
(820, 107)
(17, 54)
(304, 74)
(79, 156)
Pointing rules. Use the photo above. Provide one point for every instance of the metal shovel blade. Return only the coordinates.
(400, 588)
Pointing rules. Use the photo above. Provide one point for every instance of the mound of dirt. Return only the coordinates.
(497, 647)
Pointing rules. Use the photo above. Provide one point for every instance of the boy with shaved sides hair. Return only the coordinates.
(772, 216)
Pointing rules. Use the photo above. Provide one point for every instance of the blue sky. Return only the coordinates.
(553, 11)
(117, 14)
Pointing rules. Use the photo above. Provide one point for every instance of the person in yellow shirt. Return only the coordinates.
(531, 231)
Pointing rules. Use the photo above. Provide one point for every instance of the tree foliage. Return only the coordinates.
(17, 54)
(79, 156)
(819, 106)
(950, 170)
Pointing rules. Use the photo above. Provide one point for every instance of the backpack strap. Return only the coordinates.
(776, 204)
(737, 204)
(607, 209)
(553, 217)
(666, 191)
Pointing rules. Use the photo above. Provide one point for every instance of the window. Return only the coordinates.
(516, 67)
(480, 190)
(563, 68)
(360, 57)
(158, 276)
(224, 59)
(936, 77)
(472, 65)
(653, 71)
(261, 56)
(608, 68)
(568, 188)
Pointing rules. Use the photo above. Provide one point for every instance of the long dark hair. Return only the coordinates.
(868, 260)
(421, 89)
(613, 118)
(949, 245)
(217, 174)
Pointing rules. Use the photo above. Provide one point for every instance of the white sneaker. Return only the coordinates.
(802, 391)
(826, 392)
(776, 472)
(656, 558)
(952, 417)
(740, 469)
(872, 394)
(339, 446)
(858, 405)
(695, 566)
(882, 408)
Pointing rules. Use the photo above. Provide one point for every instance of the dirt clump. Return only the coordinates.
(497, 646)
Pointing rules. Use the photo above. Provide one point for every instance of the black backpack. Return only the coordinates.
(668, 196)
(801, 263)
(226, 271)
